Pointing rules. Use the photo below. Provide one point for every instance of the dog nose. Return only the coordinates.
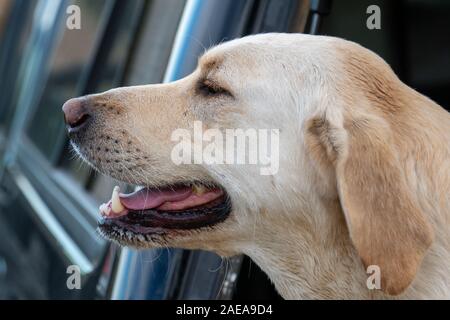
(75, 112)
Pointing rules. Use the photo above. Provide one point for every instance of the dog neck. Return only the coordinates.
(311, 259)
(311, 256)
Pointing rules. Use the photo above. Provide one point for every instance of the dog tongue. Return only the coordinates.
(168, 199)
(144, 199)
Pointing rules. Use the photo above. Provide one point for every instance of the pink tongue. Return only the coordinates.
(167, 199)
(148, 199)
(192, 201)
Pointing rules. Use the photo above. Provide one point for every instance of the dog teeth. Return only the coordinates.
(116, 205)
(199, 190)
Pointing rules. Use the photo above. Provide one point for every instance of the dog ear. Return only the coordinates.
(384, 220)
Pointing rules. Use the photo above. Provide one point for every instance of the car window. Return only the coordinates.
(69, 65)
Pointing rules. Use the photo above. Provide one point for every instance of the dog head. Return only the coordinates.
(331, 112)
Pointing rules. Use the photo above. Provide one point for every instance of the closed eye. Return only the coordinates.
(210, 88)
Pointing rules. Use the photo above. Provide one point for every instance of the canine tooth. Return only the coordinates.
(116, 205)
(198, 189)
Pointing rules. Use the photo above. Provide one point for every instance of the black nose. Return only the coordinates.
(75, 113)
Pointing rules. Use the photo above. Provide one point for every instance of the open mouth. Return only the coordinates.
(158, 210)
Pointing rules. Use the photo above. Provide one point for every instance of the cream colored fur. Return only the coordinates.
(364, 173)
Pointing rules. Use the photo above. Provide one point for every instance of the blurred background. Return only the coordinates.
(49, 200)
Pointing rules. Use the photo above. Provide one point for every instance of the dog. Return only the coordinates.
(360, 205)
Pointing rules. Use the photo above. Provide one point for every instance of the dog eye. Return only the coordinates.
(209, 88)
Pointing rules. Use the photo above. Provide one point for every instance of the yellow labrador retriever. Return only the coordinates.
(359, 206)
